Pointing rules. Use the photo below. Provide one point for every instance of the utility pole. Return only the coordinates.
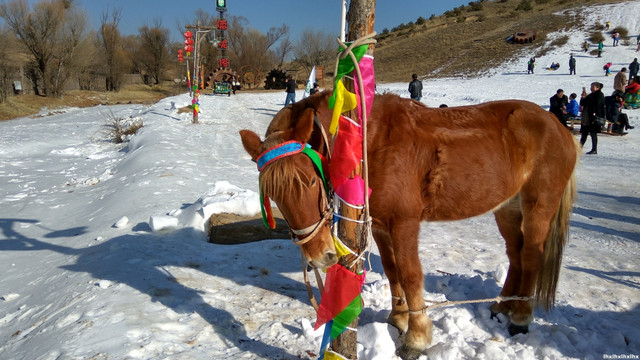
(197, 30)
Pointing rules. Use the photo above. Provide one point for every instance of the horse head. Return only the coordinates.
(294, 180)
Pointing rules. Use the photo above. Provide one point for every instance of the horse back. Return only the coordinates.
(457, 162)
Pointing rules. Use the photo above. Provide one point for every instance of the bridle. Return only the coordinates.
(302, 236)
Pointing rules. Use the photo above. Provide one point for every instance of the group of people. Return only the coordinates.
(596, 110)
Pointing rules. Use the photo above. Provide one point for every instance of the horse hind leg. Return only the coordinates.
(509, 221)
(399, 316)
(545, 225)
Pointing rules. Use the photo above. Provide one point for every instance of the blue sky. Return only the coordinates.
(300, 15)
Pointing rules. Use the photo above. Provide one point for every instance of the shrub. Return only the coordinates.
(622, 31)
(432, 17)
(475, 6)
(525, 5)
(121, 128)
(596, 37)
(420, 20)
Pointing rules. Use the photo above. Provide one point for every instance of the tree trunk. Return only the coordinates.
(360, 19)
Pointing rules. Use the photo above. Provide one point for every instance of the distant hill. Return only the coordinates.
(470, 40)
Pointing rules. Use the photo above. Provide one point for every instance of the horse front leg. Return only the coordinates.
(404, 237)
(399, 316)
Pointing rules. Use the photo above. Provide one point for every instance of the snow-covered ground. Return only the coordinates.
(84, 276)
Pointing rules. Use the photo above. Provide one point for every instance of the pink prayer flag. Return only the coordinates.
(352, 191)
(368, 82)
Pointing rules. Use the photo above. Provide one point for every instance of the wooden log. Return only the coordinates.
(230, 229)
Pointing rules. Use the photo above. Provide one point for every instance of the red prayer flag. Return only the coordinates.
(347, 152)
(341, 288)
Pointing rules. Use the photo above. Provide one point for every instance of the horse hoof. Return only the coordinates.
(494, 315)
(407, 353)
(518, 329)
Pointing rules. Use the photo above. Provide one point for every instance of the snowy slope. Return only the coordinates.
(85, 277)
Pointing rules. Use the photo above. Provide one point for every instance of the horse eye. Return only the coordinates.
(313, 182)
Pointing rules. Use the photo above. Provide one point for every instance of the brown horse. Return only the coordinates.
(509, 157)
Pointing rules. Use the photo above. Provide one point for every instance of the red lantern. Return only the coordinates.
(188, 41)
(188, 34)
(180, 52)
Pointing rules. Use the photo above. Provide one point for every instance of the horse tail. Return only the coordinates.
(547, 281)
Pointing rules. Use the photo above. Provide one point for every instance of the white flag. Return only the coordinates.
(310, 82)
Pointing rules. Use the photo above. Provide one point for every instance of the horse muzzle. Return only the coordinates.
(328, 259)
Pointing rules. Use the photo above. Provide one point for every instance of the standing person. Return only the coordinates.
(600, 48)
(620, 80)
(415, 88)
(592, 107)
(633, 69)
(616, 38)
(531, 65)
(572, 65)
(558, 106)
(585, 46)
(291, 91)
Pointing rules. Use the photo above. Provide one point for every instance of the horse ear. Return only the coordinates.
(252, 143)
(304, 127)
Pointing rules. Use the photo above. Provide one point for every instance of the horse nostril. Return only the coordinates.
(331, 257)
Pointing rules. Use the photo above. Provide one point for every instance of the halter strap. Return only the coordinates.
(279, 151)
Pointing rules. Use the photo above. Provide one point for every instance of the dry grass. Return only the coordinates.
(25, 105)
(474, 42)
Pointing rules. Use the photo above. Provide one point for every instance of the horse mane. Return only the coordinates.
(288, 117)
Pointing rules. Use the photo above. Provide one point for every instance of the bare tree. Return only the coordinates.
(112, 53)
(7, 65)
(250, 46)
(315, 48)
(51, 32)
(284, 48)
(152, 56)
(65, 54)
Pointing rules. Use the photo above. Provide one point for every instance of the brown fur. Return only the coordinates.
(510, 157)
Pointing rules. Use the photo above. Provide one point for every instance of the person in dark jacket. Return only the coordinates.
(291, 91)
(633, 69)
(592, 107)
(415, 88)
(558, 106)
(572, 65)
(613, 106)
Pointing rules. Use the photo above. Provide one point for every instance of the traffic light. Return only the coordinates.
(221, 5)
